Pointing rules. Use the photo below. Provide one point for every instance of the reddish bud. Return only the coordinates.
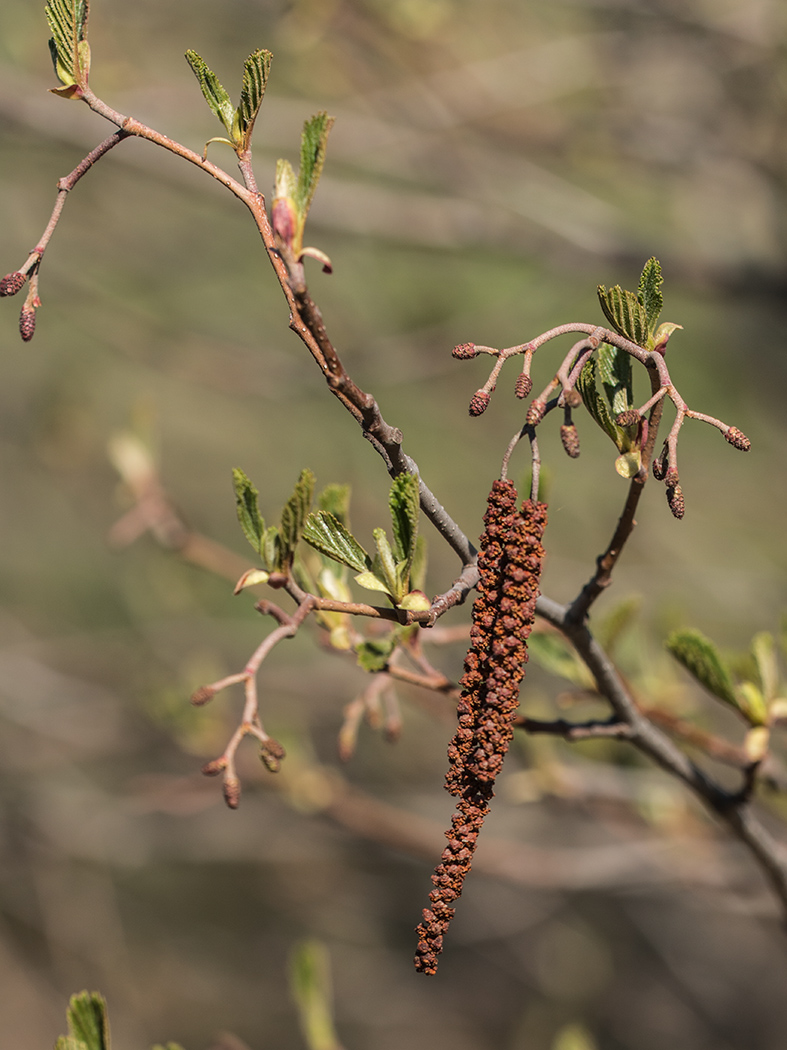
(629, 418)
(478, 402)
(570, 439)
(738, 439)
(677, 504)
(535, 412)
(212, 769)
(203, 695)
(283, 219)
(465, 351)
(232, 791)
(27, 324)
(12, 283)
(524, 384)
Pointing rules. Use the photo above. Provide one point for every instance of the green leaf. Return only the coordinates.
(629, 464)
(418, 567)
(385, 566)
(617, 622)
(327, 534)
(649, 293)
(615, 372)
(752, 703)
(702, 659)
(215, 95)
(405, 510)
(310, 985)
(596, 404)
(255, 78)
(335, 500)
(68, 46)
(314, 140)
(374, 581)
(270, 549)
(88, 1026)
(294, 515)
(662, 334)
(763, 649)
(246, 501)
(374, 653)
(286, 182)
(554, 655)
(625, 313)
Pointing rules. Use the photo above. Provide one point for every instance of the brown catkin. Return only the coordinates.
(677, 503)
(535, 412)
(509, 565)
(27, 324)
(478, 402)
(570, 439)
(523, 385)
(465, 351)
(12, 283)
(738, 439)
(629, 418)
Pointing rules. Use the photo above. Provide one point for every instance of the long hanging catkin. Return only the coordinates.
(509, 563)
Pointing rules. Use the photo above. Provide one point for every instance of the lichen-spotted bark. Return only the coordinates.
(509, 563)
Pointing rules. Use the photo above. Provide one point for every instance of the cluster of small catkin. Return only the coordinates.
(509, 563)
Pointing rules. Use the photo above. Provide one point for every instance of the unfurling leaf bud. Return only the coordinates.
(572, 398)
(464, 351)
(203, 695)
(27, 324)
(524, 384)
(677, 504)
(535, 413)
(629, 418)
(478, 402)
(570, 439)
(232, 791)
(660, 465)
(213, 768)
(284, 219)
(12, 283)
(738, 439)
(271, 754)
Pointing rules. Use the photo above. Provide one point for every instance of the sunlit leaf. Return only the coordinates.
(250, 578)
(596, 403)
(763, 649)
(373, 654)
(247, 503)
(313, 144)
(615, 372)
(335, 500)
(294, 515)
(403, 501)
(88, 1026)
(702, 659)
(68, 46)
(255, 78)
(649, 293)
(372, 582)
(215, 95)
(625, 313)
(327, 534)
(752, 703)
(556, 656)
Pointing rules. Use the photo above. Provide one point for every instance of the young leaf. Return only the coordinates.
(418, 566)
(246, 500)
(335, 500)
(595, 403)
(625, 313)
(752, 703)
(617, 622)
(294, 514)
(68, 46)
(556, 656)
(310, 985)
(763, 648)
(373, 580)
(327, 534)
(649, 292)
(405, 509)
(615, 372)
(385, 566)
(270, 549)
(374, 653)
(255, 78)
(215, 95)
(701, 658)
(88, 1026)
(313, 143)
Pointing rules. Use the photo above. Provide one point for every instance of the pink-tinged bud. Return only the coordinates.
(232, 791)
(629, 418)
(671, 478)
(478, 402)
(464, 351)
(677, 504)
(570, 438)
(738, 439)
(283, 219)
(12, 283)
(213, 768)
(27, 324)
(524, 384)
(535, 412)
(203, 695)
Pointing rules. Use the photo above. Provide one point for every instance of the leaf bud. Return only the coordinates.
(12, 283)
(271, 754)
(659, 465)
(203, 695)
(478, 402)
(572, 398)
(738, 439)
(535, 412)
(464, 351)
(677, 504)
(213, 768)
(284, 219)
(232, 791)
(27, 324)
(524, 384)
(570, 438)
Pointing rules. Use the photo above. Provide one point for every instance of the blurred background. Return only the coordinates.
(491, 163)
